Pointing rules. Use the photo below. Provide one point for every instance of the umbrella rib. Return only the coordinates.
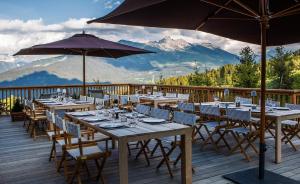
(282, 12)
(288, 13)
(231, 18)
(246, 8)
(213, 14)
(227, 8)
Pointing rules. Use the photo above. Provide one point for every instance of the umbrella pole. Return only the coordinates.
(262, 145)
(83, 72)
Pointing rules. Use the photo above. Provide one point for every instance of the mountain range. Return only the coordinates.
(172, 57)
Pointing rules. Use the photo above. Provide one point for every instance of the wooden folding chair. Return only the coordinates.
(181, 118)
(141, 110)
(244, 134)
(291, 128)
(190, 108)
(82, 152)
(156, 113)
(53, 135)
(37, 118)
(213, 126)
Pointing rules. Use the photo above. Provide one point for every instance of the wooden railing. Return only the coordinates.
(8, 95)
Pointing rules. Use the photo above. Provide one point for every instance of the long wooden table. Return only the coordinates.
(65, 106)
(144, 131)
(159, 100)
(277, 116)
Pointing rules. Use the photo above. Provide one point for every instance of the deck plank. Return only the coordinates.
(23, 160)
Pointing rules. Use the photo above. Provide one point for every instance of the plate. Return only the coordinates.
(54, 103)
(82, 102)
(282, 108)
(111, 125)
(93, 119)
(153, 120)
(131, 115)
(80, 114)
(247, 105)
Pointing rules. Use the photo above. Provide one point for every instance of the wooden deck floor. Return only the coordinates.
(23, 160)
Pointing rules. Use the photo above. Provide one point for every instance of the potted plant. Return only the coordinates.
(17, 113)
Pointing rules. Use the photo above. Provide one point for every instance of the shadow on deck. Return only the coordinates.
(23, 160)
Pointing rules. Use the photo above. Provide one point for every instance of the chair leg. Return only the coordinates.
(168, 154)
(87, 169)
(166, 158)
(177, 159)
(53, 149)
(143, 150)
(154, 149)
(129, 151)
(76, 173)
(197, 131)
(210, 137)
(63, 159)
(239, 144)
(100, 169)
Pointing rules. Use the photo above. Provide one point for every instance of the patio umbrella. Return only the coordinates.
(84, 45)
(263, 22)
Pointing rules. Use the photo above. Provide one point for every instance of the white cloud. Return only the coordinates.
(17, 34)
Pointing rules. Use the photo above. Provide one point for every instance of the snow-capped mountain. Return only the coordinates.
(171, 57)
(169, 44)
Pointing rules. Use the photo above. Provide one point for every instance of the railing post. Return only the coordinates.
(294, 98)
(29, 93)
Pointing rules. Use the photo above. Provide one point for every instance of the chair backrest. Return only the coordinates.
(50, 116)
(106, 97)
(124, 100)
(60, 123)
(271, 103)
(82, 98)
(114, 98)
(173, 95)
(186, 107)
(99, 101)
(210, 110)
(90, 99)
(134, 98)
(143, 109)
(243, 100)
(293, 106)
(157, 93)
(73, 129)
(160, 113)
(240, 115)
(183, 96)
(184, 118)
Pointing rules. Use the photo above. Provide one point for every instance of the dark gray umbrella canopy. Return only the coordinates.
(84, 45)
(235, 19)
(264, 22)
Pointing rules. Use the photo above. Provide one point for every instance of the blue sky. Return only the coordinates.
(53, 11)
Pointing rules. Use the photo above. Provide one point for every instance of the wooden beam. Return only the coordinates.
(278, 14)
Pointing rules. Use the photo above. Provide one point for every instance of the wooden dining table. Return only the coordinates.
(156, 100)
(275, 116)
(139, 132)
(53, 105)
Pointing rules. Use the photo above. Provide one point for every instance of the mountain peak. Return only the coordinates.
(169, 44)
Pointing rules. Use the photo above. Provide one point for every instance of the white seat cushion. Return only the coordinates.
(90, 150)
(214, 124)
(51, 133)
(240, 130)
(289, 122)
